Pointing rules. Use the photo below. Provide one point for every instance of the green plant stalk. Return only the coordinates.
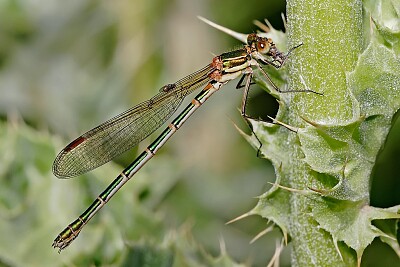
(331, 32)
(323, 148)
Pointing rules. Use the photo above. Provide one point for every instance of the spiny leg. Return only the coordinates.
(248, 77)
(248, 82)
(280, 58)
(240, 84)
(286, 91)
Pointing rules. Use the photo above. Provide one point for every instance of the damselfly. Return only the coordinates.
(117, 135)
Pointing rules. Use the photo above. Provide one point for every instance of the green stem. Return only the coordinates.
(331, 32)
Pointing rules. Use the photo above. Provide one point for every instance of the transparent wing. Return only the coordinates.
(119, 134)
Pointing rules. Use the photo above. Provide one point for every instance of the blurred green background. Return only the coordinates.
(65, 67)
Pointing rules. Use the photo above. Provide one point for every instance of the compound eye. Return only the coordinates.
(263, 47)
